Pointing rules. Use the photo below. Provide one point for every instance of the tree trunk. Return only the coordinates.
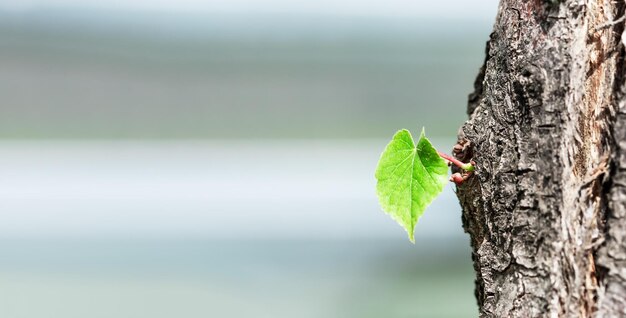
(546, 208)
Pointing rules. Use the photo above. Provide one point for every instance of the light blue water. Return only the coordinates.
(218, 229)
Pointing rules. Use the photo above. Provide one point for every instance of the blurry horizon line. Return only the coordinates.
(452, 9)
(236, 24)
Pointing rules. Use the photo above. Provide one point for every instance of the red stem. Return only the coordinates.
(455, 161)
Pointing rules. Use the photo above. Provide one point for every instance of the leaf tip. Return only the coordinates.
(401, 132)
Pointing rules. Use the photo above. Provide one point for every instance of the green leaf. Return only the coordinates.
(409, 178)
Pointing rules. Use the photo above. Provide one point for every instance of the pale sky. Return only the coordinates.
(463, 9)
(206, 189)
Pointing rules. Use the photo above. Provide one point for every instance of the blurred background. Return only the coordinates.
(215, 158)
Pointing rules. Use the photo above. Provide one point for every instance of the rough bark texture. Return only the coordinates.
(546, 208)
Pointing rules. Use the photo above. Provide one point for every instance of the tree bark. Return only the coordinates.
(546, 207)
